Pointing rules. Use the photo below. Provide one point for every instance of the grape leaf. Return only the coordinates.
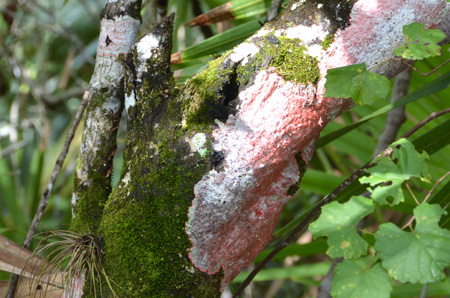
(354, 278)
(404, 163)
(418, 256)
(338, 222)
(421, 43)
(357, 82)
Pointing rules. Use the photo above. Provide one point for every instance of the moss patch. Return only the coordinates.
(292, 62)
(328, 41)
(287, 55)
(144, 220)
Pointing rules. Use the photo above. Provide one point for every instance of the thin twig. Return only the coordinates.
(45, 196)
(421, 73)
(423, 294)
(419, 125)
(396, 117)
(12, 148)
(426, 198)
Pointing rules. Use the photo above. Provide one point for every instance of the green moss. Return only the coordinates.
(143, 225)
(287, 55)
(204, 95)
(92, 190)
(292, 62)
(328, 41)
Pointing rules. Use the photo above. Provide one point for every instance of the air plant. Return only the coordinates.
(72, 260)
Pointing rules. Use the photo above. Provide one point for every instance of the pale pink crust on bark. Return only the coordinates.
(235, 211)
(376, 30)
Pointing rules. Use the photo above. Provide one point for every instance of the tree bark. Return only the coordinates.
(209, 166)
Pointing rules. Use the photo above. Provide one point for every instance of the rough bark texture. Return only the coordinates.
(119, 24)
(208, 168)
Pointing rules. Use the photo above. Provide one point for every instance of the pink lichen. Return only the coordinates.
(376, 30)
(235, 211)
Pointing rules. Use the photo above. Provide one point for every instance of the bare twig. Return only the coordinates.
(423, 294)
(422, 123)
(421, 73)
(426, 198)
(45, 196)
(395, 117)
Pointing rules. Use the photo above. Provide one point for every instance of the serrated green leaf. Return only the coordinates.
(390, 172)
(421, 43)
(357, 82)
(338, 222)
(418, 256)
(354, 278)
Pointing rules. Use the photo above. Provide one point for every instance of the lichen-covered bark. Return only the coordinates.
(277, 112)
(119, 24)
(208, 168)
(143, 223)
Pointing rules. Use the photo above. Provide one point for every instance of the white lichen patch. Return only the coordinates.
(74, 202)
(309, 35)
(297, 4)
(198, 144)
(146, 44)
(130, 100)
(146, 47)
(111, 105)
(199, 140)
(243, 52)
(126, 179)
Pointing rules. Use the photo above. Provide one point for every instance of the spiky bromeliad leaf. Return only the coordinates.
(338, 222)
(232, 10)
(418, 256)
(404, 163)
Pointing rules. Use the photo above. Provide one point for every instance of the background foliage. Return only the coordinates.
(46, 60)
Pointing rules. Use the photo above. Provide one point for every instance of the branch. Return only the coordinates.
(119, 24)
(395, 117)
(422, 123)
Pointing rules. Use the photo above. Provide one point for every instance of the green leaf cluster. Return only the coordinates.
(355, 81)
(421, 43)
(389, 173)
(417, 256)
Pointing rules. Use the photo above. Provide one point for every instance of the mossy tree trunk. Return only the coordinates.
(208, 166)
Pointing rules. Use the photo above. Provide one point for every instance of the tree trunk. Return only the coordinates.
(208, 166)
